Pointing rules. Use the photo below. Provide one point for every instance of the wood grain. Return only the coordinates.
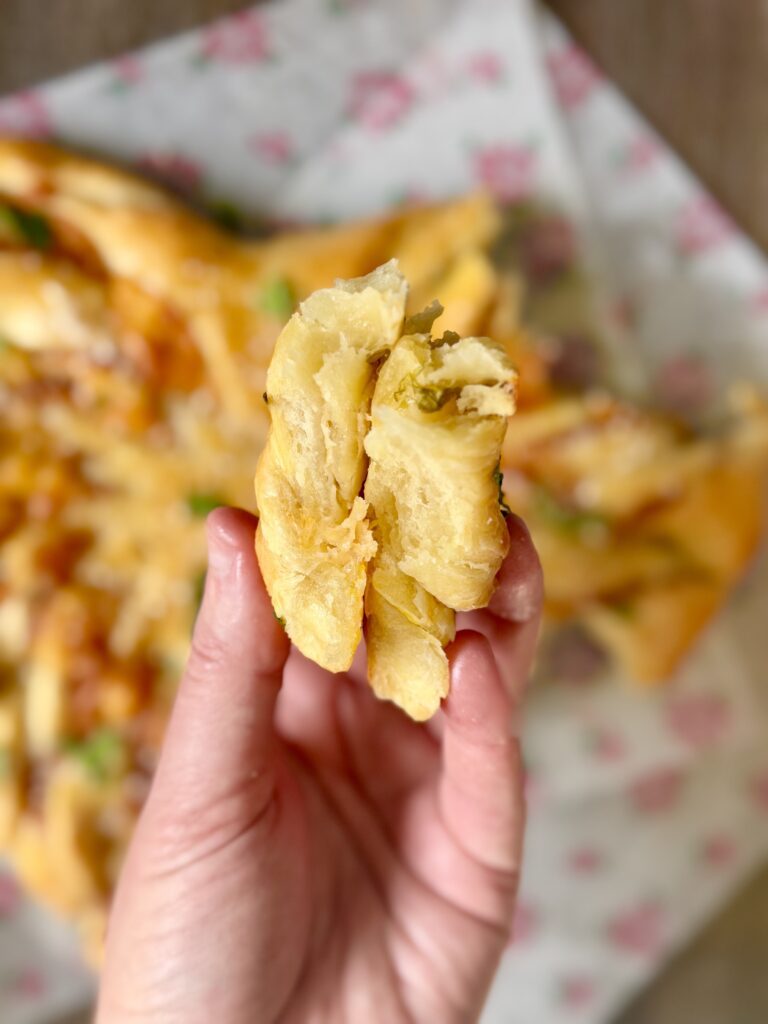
(43, 38)
(699, 70)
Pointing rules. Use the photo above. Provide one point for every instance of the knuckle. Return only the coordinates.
(208, 654)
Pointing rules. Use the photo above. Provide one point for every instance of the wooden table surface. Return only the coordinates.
(699, 70)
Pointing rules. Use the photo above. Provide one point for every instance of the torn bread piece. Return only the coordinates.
(314, 540)
(438, 419)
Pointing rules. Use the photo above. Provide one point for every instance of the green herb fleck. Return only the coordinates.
(566, 518)
(279, 618)
(6, 762)
(27, 225)
(278, 299)
(498, 478)
(201, 504)
(102, 754)
(449, 338)
(227, 215)
(265, 396)
(430, 399)
(427, 399)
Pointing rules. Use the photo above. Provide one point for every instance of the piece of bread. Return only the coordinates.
(439, 415)
(314, 541)
(427, 535)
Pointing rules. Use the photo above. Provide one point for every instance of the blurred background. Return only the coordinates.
(698, 70)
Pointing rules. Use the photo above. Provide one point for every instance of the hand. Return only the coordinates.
(307, 853)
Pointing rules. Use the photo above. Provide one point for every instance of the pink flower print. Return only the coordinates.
(639, 930)
(641, 153)
(719, 851)
(685, 383)
(699, 721)
(25, 114)
(379, 99)
(585, 860)
(573, 74)
(576, 991)
(30, 983)
(701, 225)
(486, 66)
(658, 791)
(128, 69)
(175, 169)
(10, 895)
(608, 745)
(241, 38)
(524, 924)
(506, 169)
(274, 147)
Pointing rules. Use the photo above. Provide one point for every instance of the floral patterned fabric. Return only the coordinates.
(646, 809)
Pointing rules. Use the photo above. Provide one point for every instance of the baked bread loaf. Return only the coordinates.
(427, 535)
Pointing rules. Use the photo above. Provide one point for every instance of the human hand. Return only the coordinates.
(309, 854)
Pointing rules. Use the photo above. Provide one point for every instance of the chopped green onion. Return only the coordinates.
(201, 504)
(29, 226)
(568, 519)
(498, 478)
(227, 215)
(278, 299)
(431, 399)
(102, 754)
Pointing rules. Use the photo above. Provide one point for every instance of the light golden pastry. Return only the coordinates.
(314, 541)
(438, 419)
(429, 520)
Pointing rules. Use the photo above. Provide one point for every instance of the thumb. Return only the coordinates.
(218, 750)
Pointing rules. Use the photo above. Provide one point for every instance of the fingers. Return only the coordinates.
(480, 790)
(220, 738)
(387, 753)
(512, 620)
(520, 585)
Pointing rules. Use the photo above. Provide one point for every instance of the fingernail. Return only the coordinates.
(222, 549)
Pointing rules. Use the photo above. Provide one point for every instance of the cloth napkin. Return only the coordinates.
(647, 810)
